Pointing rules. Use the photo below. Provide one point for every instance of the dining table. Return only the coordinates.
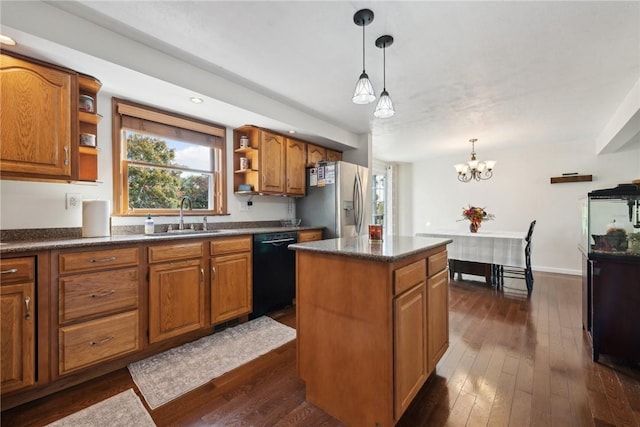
(485, 252)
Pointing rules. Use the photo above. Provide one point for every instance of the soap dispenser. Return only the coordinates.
(148, 225)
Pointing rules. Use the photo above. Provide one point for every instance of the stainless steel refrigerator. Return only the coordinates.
(337, 198)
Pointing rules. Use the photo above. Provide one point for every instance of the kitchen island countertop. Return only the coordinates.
(391, 249)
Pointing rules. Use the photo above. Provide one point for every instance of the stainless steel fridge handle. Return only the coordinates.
(358, 200)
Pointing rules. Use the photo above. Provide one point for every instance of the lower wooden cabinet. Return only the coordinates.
(96, 341)
(98, 301)
(410, 345)
(176, 299)
(309, 235)
(17, 324)
(230, 287)
(231, 278)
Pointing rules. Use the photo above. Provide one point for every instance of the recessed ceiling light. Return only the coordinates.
(7, 40)
(292, 131)
(196, 100)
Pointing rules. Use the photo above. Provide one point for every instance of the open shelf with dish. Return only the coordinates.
(245, 161)
(88, 121)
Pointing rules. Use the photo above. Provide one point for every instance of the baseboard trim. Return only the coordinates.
(568, 271)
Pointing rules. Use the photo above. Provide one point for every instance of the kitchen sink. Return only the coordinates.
(190, 231)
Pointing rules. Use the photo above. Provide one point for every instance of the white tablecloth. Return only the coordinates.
(492, 247)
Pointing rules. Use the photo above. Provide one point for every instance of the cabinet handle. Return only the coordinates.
(27, 315)
(10, 271)
(264, 179)
(213, 271)
(202, 274)
(110, 259)
(66, 155)
(104, 294)
(100, 342)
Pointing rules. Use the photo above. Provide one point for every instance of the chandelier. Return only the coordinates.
(473, 169)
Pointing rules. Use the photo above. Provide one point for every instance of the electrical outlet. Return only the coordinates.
(244, 207)
(73, 201)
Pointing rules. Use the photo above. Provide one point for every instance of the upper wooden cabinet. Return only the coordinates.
(333, 156)
(269, 163)
(42, 121)
(315, 154)
(272, 162)
(296, 153)
(260, 164)
(37, 110)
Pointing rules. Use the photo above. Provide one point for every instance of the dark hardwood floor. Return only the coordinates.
(512, 361)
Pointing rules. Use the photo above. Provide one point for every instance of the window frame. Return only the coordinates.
(120, 108)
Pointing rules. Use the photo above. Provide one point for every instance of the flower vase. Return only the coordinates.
(474, 226)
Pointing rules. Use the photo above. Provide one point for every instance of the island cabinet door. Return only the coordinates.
(410, 346)
(438, 293)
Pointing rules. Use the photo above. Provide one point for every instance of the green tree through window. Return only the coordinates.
(162, 186)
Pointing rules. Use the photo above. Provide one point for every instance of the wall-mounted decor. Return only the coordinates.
(571, 177)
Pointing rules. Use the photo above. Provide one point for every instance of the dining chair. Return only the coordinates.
(523, 273)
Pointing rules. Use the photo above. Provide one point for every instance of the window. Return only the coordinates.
(160, 157)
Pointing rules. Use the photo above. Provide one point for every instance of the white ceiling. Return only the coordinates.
(506, 73)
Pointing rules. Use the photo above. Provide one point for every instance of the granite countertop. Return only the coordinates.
(391, 249)
(64, 243)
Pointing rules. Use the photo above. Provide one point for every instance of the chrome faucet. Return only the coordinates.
(188, 200)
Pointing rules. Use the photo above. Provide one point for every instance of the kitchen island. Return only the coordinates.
(372, 322)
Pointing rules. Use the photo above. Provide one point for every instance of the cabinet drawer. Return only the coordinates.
(96, 341)
(97, 293)
(309, 236)
(230, 245)
(437, 262)
(17, 270)
(409, 276)
(74, 262)
(175, 252)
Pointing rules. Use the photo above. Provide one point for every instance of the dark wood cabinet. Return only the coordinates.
(615, 307)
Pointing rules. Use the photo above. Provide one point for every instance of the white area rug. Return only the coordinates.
(122, 410)
(166, 376)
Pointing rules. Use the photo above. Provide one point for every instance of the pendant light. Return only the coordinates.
(384, 109)
(364, 93)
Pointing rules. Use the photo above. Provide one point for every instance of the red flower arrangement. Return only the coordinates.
(476, 215)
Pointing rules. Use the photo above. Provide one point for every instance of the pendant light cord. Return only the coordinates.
(363, 46)
(384, 67)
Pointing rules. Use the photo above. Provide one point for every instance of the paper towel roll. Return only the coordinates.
(95, 218)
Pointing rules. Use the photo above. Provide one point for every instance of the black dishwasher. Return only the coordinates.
(274, 272)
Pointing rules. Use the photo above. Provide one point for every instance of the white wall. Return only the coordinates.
(431, 196)
(25, 205)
